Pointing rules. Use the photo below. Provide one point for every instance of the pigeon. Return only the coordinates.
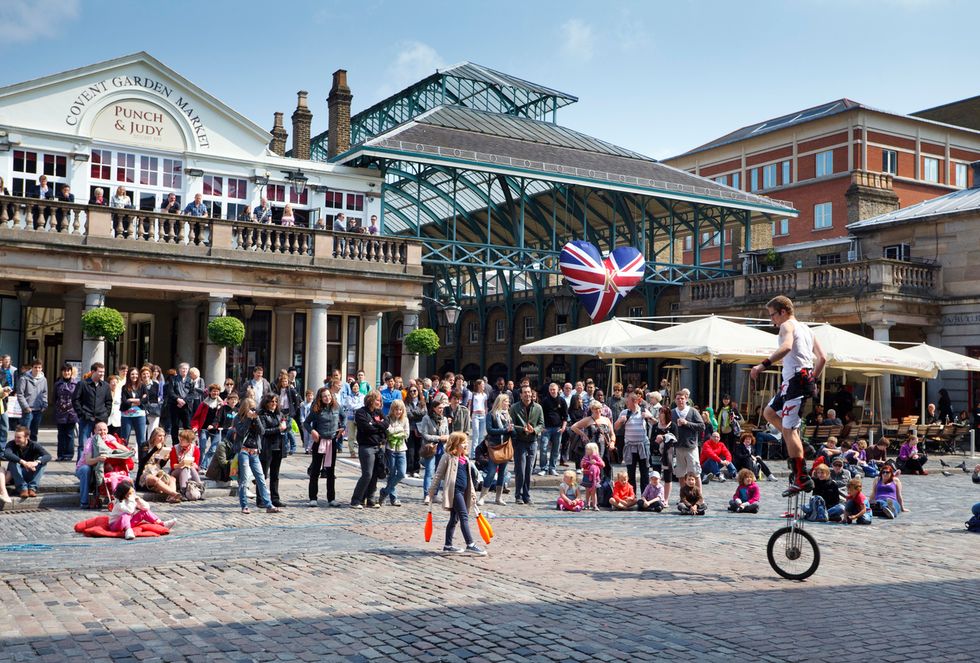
(944, 463)
(947, 474)
(962, 466)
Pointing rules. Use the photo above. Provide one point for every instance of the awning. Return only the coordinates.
(852, 352)
(942, 360)
(593, 340)
(705, 339)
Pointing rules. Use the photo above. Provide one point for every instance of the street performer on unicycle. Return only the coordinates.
(792, 552)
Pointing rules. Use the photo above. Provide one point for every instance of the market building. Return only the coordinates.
(310, 297)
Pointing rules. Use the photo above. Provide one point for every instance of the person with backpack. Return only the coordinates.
(65, 417)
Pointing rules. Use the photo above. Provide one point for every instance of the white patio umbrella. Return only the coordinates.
(942, 360)
(709, 339)
(593, 340)
(852, 352)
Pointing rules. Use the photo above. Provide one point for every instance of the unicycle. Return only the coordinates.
(793, 553)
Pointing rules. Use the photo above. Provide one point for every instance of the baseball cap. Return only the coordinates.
(838, 461)
(655, 475)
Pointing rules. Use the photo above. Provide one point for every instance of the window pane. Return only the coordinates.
(930, 169)
(787, 177)
(736, 180)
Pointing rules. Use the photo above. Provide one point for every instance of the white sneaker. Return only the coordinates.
(129, 535)
(473, 549)
(357, 506)
(5, 499)
(250, 494)
(427, 500)
(453, 549)
(170, 524)
(479, 502)
(333, 503)
(541, 473)
(313, 503)
(500, 502)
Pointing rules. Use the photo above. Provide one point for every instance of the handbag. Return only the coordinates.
(428, 450)
(501, 453)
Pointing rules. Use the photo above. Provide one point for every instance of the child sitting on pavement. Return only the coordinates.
(692, 503)
(838, 474)
(825, 503)
(857, 460)
(856, 507)
(746, 497)
(623, 497)
(568, 493)
(130, 510)
(652, 498)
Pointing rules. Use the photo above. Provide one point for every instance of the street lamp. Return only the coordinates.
(564, 299)
(24, 293)
(450, 312)
(247, 306)
(298, 179)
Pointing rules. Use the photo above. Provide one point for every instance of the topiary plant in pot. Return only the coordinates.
(422, 341)
(104, 323)
(226, 331)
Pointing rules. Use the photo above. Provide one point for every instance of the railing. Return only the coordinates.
(138, 227)
(877, 275)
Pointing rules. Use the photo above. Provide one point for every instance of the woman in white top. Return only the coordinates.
(478, 411)
(287, 216)
(115, 416)
(121, 199)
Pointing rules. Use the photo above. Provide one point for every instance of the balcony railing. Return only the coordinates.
(133, 228)
(877, 275)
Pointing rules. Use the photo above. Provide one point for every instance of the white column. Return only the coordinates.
(282, 357)
(215, 355)
(410, 360)
(186, 331)
(71, 346)
(93, 349)
(371, 362)
(316, 345)
(881, 333)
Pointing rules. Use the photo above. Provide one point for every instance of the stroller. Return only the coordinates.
(115, 469)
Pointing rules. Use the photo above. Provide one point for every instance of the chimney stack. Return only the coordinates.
(278, 142)
(338, 103)
(302, 119)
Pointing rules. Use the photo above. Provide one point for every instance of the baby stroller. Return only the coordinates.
(115, 469)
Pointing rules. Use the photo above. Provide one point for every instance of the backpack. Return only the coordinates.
(604, 494)
(193, 491)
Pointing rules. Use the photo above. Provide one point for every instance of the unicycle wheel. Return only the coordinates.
(793, 553)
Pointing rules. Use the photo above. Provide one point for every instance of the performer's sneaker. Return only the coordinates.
(799, 484)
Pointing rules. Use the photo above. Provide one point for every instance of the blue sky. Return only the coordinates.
(656, 77)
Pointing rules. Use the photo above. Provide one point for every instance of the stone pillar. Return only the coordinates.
(93, 349)
(282, 356)
(302, 119)
(934, 337)
(316, 345)
(881, 333)
(71, 346)
(410, 360)
(371, 363)
(186, 331)
(279, 135)
(338, 121)
(215, 355)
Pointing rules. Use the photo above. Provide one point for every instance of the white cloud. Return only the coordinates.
(577, 38)
(27, 20)
(413, 62)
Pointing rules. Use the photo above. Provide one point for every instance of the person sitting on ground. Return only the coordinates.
(153, 475)
(653, 498)
(829, 450)
(185, 460)
(569, 496)
(745, 458)
(976, 474)
(715, 457)
(878, 454)
(886, 494)
(623, 497)
(130, 510)
(838, 474)
(746, 497)
(856, 507)
(909, 458)
(85, 467)
(692, 502)
(825, 503)
(857, 460)
(26, 461)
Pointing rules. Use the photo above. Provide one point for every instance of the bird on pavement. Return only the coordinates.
(944, 463)
(962, 466)
(947, 474)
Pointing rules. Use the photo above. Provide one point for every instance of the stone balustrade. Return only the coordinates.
(40, 220)
(869, 276)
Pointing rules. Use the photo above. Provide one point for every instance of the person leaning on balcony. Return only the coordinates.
(98, 197)
(340, 223)
(246, 214)
(262, 213)
(121, 199)
(288, 219)
(197, 207)
(3, 188)
(171, 205)
(43, 190)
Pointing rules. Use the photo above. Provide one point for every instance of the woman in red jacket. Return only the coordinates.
(715, 457)
(185, 459)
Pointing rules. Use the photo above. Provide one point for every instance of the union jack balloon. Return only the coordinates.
(600, 283)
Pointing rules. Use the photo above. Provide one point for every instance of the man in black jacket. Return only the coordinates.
(92, 401)
(555, 420)
(179, 395)
(26, 462)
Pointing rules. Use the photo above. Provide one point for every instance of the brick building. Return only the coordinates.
(838, 163)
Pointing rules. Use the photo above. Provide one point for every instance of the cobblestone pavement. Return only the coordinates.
(337, 584)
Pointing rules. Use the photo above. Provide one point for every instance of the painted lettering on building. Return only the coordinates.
(131, 123)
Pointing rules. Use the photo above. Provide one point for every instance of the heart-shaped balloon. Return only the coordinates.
(600, 283)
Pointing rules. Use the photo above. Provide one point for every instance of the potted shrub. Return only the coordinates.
(226, 331)
(104, 323)
(422, 341)
(773, 260)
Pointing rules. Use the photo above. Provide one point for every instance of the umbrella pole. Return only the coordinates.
(823, 386)
(923, 399)
(711, 382)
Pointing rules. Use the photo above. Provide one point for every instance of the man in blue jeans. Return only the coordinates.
(555, 412)
(26, 462)
(528, 421)
(32, 395)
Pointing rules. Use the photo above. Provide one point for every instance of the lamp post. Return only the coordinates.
(564, 299)
(247, 306)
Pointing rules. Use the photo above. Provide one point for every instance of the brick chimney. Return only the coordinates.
(338, 103)
(302, 119)
(870, 195)
(279, 135)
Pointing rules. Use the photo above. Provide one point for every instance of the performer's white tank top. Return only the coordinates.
(801, 356)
